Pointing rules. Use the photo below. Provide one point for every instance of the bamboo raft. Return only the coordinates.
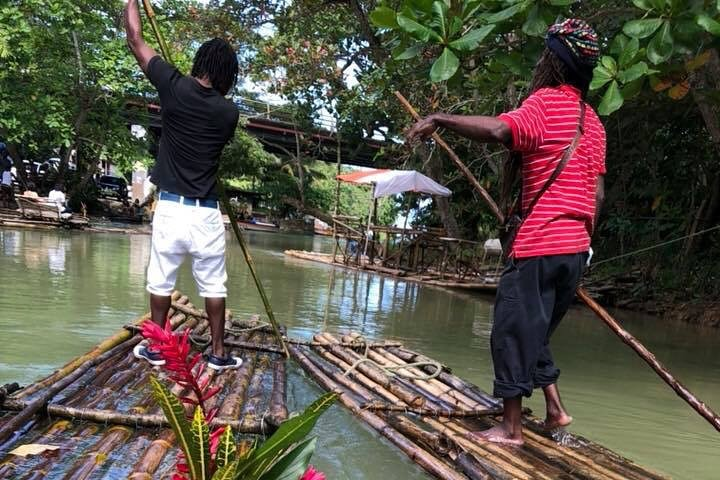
(430, 419)
(99, 410)
(486, 284)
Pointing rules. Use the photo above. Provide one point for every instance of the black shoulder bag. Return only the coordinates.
(514, 221)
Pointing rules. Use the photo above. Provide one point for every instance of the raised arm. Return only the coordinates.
(133, 28)
(478, 128)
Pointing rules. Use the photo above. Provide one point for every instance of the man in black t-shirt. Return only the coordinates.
(197, 122)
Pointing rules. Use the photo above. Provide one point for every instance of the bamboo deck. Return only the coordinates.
(487, 284)
(429, 420)
(100, 412)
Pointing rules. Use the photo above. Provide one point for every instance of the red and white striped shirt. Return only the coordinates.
(542, 128)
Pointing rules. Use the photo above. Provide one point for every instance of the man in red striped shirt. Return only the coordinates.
(550, 251)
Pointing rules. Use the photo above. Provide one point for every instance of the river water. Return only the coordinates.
(62, 292)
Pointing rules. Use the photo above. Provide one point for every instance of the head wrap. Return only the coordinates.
(576, 44)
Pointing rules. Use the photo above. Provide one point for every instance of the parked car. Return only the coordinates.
(110, 186)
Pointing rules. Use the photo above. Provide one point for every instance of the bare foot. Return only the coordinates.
(499, 435)
(557, 420)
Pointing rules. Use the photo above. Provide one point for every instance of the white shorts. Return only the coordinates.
(179, 230)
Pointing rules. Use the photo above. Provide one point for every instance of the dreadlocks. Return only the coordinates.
(216, 60)
(550, 71)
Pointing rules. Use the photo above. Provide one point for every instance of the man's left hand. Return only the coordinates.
(422, 130)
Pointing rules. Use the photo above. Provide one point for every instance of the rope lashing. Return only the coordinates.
(393, 370)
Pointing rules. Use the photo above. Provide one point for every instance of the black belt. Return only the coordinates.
(197, 202)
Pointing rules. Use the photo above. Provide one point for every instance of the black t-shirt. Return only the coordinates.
(197, 123)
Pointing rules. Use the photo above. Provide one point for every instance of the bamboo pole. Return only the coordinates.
(470, 466)
(90, 461)
(278, 395)
(430, 412)
(251, 425)
(150, 461)
(422, 457)
(456, 160)
(700, 407)
(8, 389)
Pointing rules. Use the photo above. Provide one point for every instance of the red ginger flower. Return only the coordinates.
(312, 474)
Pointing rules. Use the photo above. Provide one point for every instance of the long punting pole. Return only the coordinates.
(224, 199)
(700, 407)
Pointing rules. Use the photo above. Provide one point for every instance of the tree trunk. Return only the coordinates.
(703, 81)
(315, 212)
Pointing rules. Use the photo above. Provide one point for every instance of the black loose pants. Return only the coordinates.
(533, 296)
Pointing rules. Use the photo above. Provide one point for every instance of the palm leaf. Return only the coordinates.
(227, 448)
(175, 415)
(291, 431)
(201, 435)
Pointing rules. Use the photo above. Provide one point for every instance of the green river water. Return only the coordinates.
(62, 292)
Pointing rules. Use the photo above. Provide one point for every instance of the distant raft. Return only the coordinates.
(99, 410)
(428, 413)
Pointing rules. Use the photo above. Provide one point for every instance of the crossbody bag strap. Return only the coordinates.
(563, 161)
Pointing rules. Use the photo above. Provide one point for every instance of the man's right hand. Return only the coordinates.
(422, 130)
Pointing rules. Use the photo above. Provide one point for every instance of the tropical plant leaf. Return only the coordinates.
(422, 6)
(291, 431)
(227, 449)
(503, 15)
(709, 24)
(456, 25)
(227, 472)
(629, 52)
(535, 25)
(612, 100)
(643, 4)
(472, 39)
(293, 463)
(633, 73)
(618, 44)
(631, 89)
(175, 415)
(201, 435)
(609, 63)
(642, 28)
(661, 46)
(418, 31)
(445, 66)
(439, 18)
(562, 3)
(601, 76)
(410, 52)
(384, 17)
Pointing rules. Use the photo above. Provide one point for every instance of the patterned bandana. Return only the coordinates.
(578, 37)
